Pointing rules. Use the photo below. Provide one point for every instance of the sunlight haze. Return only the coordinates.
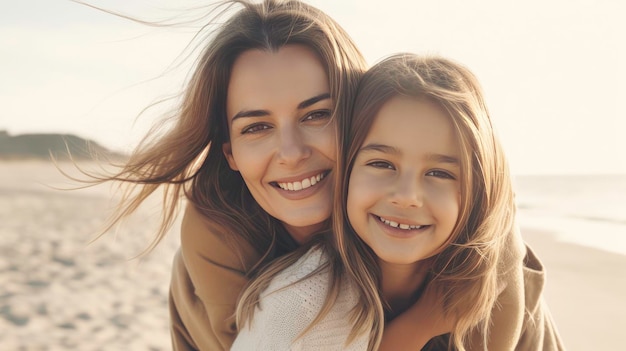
(553, 72)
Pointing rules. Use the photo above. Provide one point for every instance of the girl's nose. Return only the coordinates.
(407, 191)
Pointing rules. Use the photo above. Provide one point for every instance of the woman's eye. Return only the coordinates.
(440, 174)
(381, 165)
(317, 115)
(255, 128)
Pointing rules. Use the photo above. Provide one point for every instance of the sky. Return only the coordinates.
(553, 71)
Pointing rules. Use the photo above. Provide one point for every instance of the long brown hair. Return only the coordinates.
(187, 159)
(465, 271)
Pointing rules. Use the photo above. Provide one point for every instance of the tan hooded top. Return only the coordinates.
(207, 277)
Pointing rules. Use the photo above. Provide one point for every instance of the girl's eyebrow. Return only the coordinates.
(380, 148)
(260, 113)
(439, 158)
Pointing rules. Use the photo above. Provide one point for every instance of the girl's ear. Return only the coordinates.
(228, 153)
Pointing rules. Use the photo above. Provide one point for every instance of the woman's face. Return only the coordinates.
(282, 139)
(404, 190)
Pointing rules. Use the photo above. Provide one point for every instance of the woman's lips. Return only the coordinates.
(304, 183)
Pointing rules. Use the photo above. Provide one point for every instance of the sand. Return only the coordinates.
(59, 293)
(585, 291)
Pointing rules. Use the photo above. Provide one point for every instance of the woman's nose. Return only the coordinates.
(292, 147)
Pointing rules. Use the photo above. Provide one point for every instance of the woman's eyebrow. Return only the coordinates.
(250, 113)
(308, 102)
(260, 113)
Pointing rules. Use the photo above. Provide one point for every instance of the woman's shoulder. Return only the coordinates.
(306, 284)
(292, 302)
(307, 270)
(200, 239)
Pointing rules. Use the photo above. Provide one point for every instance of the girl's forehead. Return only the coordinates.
(413, 128)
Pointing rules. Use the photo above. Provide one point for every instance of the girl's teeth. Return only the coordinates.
(305, 183)
(399, 225)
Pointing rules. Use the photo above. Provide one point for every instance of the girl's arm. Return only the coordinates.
(207, 277)
(424, 320)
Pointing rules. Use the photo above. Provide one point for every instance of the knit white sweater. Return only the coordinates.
(290, 304)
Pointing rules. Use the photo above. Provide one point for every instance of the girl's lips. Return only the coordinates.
(402, 224)
(398, 229)
(405, 224)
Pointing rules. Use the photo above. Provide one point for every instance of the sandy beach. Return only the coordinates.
(586, 292)
(59, 293)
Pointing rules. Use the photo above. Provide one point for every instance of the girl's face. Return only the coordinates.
(404, 189)
(282, 139)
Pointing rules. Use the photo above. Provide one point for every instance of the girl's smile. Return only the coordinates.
(400, 228)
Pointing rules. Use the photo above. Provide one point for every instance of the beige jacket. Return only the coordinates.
(538, 330)
(207, 277)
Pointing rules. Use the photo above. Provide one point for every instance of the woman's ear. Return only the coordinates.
(228, 153)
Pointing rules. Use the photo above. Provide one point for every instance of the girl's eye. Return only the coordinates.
(381, 165)
(317, 115)
(440, 174)
(254, 128)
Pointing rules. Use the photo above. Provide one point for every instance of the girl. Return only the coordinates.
(424, 212)
(253, 149)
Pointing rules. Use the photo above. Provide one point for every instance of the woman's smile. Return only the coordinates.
(304, 188)
(303, 183)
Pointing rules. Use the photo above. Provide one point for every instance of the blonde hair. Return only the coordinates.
(188, 160)
(465, 272)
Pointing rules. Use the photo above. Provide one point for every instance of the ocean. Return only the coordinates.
(588, 210)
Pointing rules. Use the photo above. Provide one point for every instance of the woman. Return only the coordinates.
(253, 149)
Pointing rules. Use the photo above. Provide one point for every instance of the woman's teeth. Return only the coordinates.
(303, 184)
(399, 225)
